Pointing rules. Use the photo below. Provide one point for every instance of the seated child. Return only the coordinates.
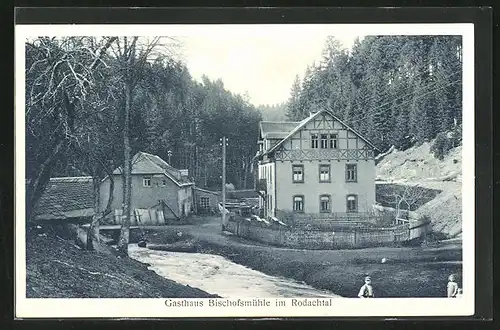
(452, 287)
(366, 290)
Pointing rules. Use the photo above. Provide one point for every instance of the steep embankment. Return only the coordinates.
(56, 268)
(417, 165)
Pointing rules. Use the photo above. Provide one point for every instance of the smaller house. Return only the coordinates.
(206, 200)
(68, 199)
(156, 185)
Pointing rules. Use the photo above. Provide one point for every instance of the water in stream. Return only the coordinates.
(218, 275)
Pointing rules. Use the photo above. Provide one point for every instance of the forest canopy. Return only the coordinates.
(80, 92)
(395, 90)
(78, 87)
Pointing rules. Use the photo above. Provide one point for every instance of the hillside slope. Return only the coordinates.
(418, 166)
(56, 268)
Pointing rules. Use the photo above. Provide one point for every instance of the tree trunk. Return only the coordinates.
(111, 193)
(246, 168)
(125, 229)
(37, 186)
(109, 173)
(93, 231)
(398, 208)
(206, 176)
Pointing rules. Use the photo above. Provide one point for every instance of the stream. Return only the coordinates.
(217, 275)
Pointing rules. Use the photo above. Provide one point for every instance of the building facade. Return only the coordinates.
(316, 166)
(153, 180)
(206, 200)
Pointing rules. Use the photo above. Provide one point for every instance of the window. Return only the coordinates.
(163, 183)
(324, 141)
(351, 174)
(298, 203)
(324, 203)
(146, 181)
(324, 173)
(314, 141)
(298, 173)
(352, 203)
(333, 141)
(205, 202)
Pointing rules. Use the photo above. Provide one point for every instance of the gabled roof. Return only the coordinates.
(66, 197)
(144, 163)
(276, 135)
(276, 129)
(311, 117)
(208, 191)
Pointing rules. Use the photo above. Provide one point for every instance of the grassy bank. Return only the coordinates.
(407, 272)
(56, 268)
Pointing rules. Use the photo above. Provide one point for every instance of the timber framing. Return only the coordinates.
(323, 154)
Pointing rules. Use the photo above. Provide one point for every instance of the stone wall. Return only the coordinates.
(345, 238)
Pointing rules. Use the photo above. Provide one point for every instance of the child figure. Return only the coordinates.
(452, 287)
(366, 290)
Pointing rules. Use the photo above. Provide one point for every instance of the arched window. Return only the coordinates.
(324, 173)
(325, 203)
(314, 141)
(352, 203)
(298, 173)
(298, 203)
(351, 173)
(333, 141)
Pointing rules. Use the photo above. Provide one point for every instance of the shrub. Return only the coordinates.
(441, 146)
(446, 141)
(456, 136)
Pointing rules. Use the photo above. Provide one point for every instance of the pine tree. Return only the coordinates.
(293, 112)
(393, 89)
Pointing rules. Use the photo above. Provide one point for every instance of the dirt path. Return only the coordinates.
(417, 271)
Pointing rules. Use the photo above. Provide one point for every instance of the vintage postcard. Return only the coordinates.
(244, 170)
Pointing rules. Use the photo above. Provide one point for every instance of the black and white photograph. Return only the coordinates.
(237, 170)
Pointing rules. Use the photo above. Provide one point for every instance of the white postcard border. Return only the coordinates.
(141, 308)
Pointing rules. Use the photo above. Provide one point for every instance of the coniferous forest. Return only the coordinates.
(395, 90)
(83, 94)
(93, 102)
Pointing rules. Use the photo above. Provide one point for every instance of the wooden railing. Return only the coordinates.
(319, 154)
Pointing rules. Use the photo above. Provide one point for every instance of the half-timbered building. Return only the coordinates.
(318, 165)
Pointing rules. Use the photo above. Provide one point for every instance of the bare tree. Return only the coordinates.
(132, 55)
(411, 196)
(95, 140)
(59, 73)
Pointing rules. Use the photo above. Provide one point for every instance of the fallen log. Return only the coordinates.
(188, 247)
